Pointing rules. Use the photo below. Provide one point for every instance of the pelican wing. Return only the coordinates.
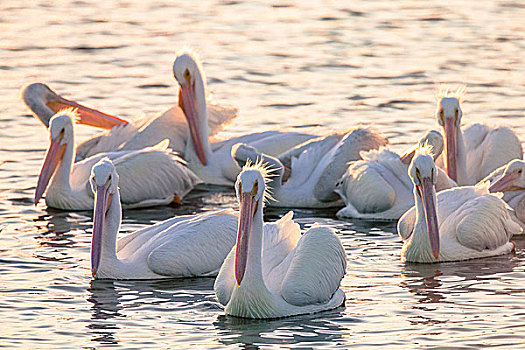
(490, 148)
(405, 225)
(451, 200)
(133, 241)
(336, 162)
(269, 142)
(474, 134)
(280, 238)
(146, 131)
(366, 187)
(443, 182)
(194, 247)
(313, 157)
(483, 223)
(170, 125)
(495, 175)
(321, 142)
(219, 116)
(153, 174)
(316, 269)
(225, 280)
(107, 141)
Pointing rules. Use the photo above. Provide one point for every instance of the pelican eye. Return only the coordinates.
(255, 188)
(418, 175)
(456, 114)
(187, 76)
(240, 187)
(520, 171)
(442, 116)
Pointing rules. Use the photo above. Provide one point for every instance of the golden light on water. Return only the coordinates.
(323, 65)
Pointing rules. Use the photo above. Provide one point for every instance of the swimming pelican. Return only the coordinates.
(510, 180)
(273, 271)
(472, 154)
(185, 246)
(123, 135)
(213, 163)
(152, 176)
(313, 167)
(379, 187)
(467, 223)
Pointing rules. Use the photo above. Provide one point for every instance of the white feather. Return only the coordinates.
(279, 272)
(472, 224)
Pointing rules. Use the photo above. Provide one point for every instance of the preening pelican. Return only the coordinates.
(472, 154)
(185, 246)
(273, 271)
(510, 179)
(213, 163)
(467, 222)
(152, 176)
(379, 187)
(123, 135)
(307, 175)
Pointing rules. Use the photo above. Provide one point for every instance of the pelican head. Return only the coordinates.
(448, 115)
(431, 138)
(422, 171)
(44, 103)
(435, 140)
(188, 72)
(104, 183)
(61, 134)
(513, 178)
(250, 189)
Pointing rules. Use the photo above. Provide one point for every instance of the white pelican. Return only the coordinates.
(123, 135)
(213, 163)
(467, 222)
(152, 176)
(379, 187)
(314, 167)
(273, 271)
(472, 154)
(510, 179)
(184, 246)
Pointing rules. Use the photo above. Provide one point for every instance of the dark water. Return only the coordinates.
(327, 65)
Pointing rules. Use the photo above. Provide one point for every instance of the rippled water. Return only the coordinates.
(327, 65)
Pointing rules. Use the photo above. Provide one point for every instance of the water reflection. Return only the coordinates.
(319, 328)
(264, 65)
(113, 301)
(56, 233)
(59, 222)
(426, 280)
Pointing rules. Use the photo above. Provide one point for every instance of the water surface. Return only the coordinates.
(326, 65)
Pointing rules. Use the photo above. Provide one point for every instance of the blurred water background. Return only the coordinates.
(317, 65)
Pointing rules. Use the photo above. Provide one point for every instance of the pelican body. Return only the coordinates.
(186, 246)
(213, 163)
(458, 224)
(149, 177)
(273, 271)
(313, 167)
(121, 135)
(379, 187)
(510, 180)
(472, 154)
